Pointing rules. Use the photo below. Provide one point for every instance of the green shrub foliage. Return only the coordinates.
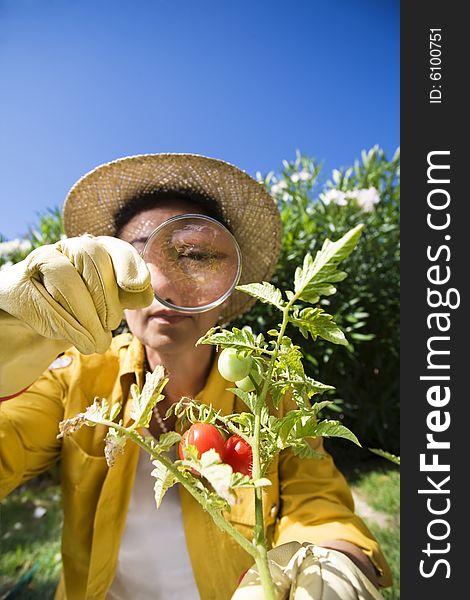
(367, 305)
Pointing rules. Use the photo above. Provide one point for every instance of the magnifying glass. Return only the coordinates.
(198, 262)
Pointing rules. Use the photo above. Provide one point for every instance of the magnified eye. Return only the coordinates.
(197, 254)
(198, 257)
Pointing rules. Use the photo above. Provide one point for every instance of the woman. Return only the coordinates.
(66, 300)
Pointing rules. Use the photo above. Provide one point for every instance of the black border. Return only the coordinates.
(427, 127)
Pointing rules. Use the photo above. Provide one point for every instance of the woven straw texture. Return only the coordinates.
(246, 206)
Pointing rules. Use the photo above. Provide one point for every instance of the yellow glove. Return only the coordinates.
(309, 572)
(71, 293)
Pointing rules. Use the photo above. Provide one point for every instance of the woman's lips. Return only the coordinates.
(167, 318)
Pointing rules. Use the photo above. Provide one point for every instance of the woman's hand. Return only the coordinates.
(71, 293)
(309, 572)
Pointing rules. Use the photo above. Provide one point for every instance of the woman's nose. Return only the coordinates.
(167, 287)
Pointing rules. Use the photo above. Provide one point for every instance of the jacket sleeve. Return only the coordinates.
(29, 424)
(317, 505)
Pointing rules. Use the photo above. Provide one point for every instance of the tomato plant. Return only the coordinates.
(239, 455)
(225, 468)
(203, 436)
(233, 366)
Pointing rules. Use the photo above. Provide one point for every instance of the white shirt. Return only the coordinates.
(153, 560)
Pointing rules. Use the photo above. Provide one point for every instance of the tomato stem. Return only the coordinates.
(259, 535)
(216, 516)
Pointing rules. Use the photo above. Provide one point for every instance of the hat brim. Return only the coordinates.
(246, 206)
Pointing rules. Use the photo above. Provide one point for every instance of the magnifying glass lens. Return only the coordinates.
(197, 261)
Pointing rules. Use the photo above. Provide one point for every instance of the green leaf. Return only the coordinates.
(218, 474)
(317, 407)
(290, 357)
(289, 374)
(94, 414)
(98, 411)
(241, 339)
(166, 441)
(384, 454)
(164, 480)
(143, 403)
(316, 322)
(302, 449)
(335, 429)
(265, 292)
(249, 398)
(315, 277)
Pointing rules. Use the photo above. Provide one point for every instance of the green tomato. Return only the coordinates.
(234, 366)
(246, 384)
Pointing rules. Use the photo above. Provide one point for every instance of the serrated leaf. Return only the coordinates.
(302, 449)
(241, 339)
(315, 322)
(248, 398)
(164, 480)
(94, 414)
(166, 441)
(264, 292)
(290, 357)
(335, 429)
(218, 474)
(143, 402)
(315, 276)
(317, 407)
(98, 411)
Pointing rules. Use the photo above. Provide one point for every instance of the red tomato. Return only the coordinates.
(204, 436)
(238, 455)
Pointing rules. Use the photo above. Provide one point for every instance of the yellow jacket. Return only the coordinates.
(309, 500)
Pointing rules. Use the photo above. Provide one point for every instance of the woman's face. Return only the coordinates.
(157, 326)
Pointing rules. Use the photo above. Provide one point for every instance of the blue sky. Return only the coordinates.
(85, 82)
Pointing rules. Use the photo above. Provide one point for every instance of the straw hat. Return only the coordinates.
(245, 205)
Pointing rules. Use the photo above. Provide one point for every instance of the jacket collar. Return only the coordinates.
(132, 362)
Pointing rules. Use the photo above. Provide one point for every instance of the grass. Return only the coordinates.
(30, 537)
(377, 481)
(30, 530)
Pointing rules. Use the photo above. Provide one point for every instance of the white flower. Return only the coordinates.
(301, 176)
(39, 512)
(278, 187)
(366, 199)
(334, 196)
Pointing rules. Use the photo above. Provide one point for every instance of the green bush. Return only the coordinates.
(367, 304)
(48, 231)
